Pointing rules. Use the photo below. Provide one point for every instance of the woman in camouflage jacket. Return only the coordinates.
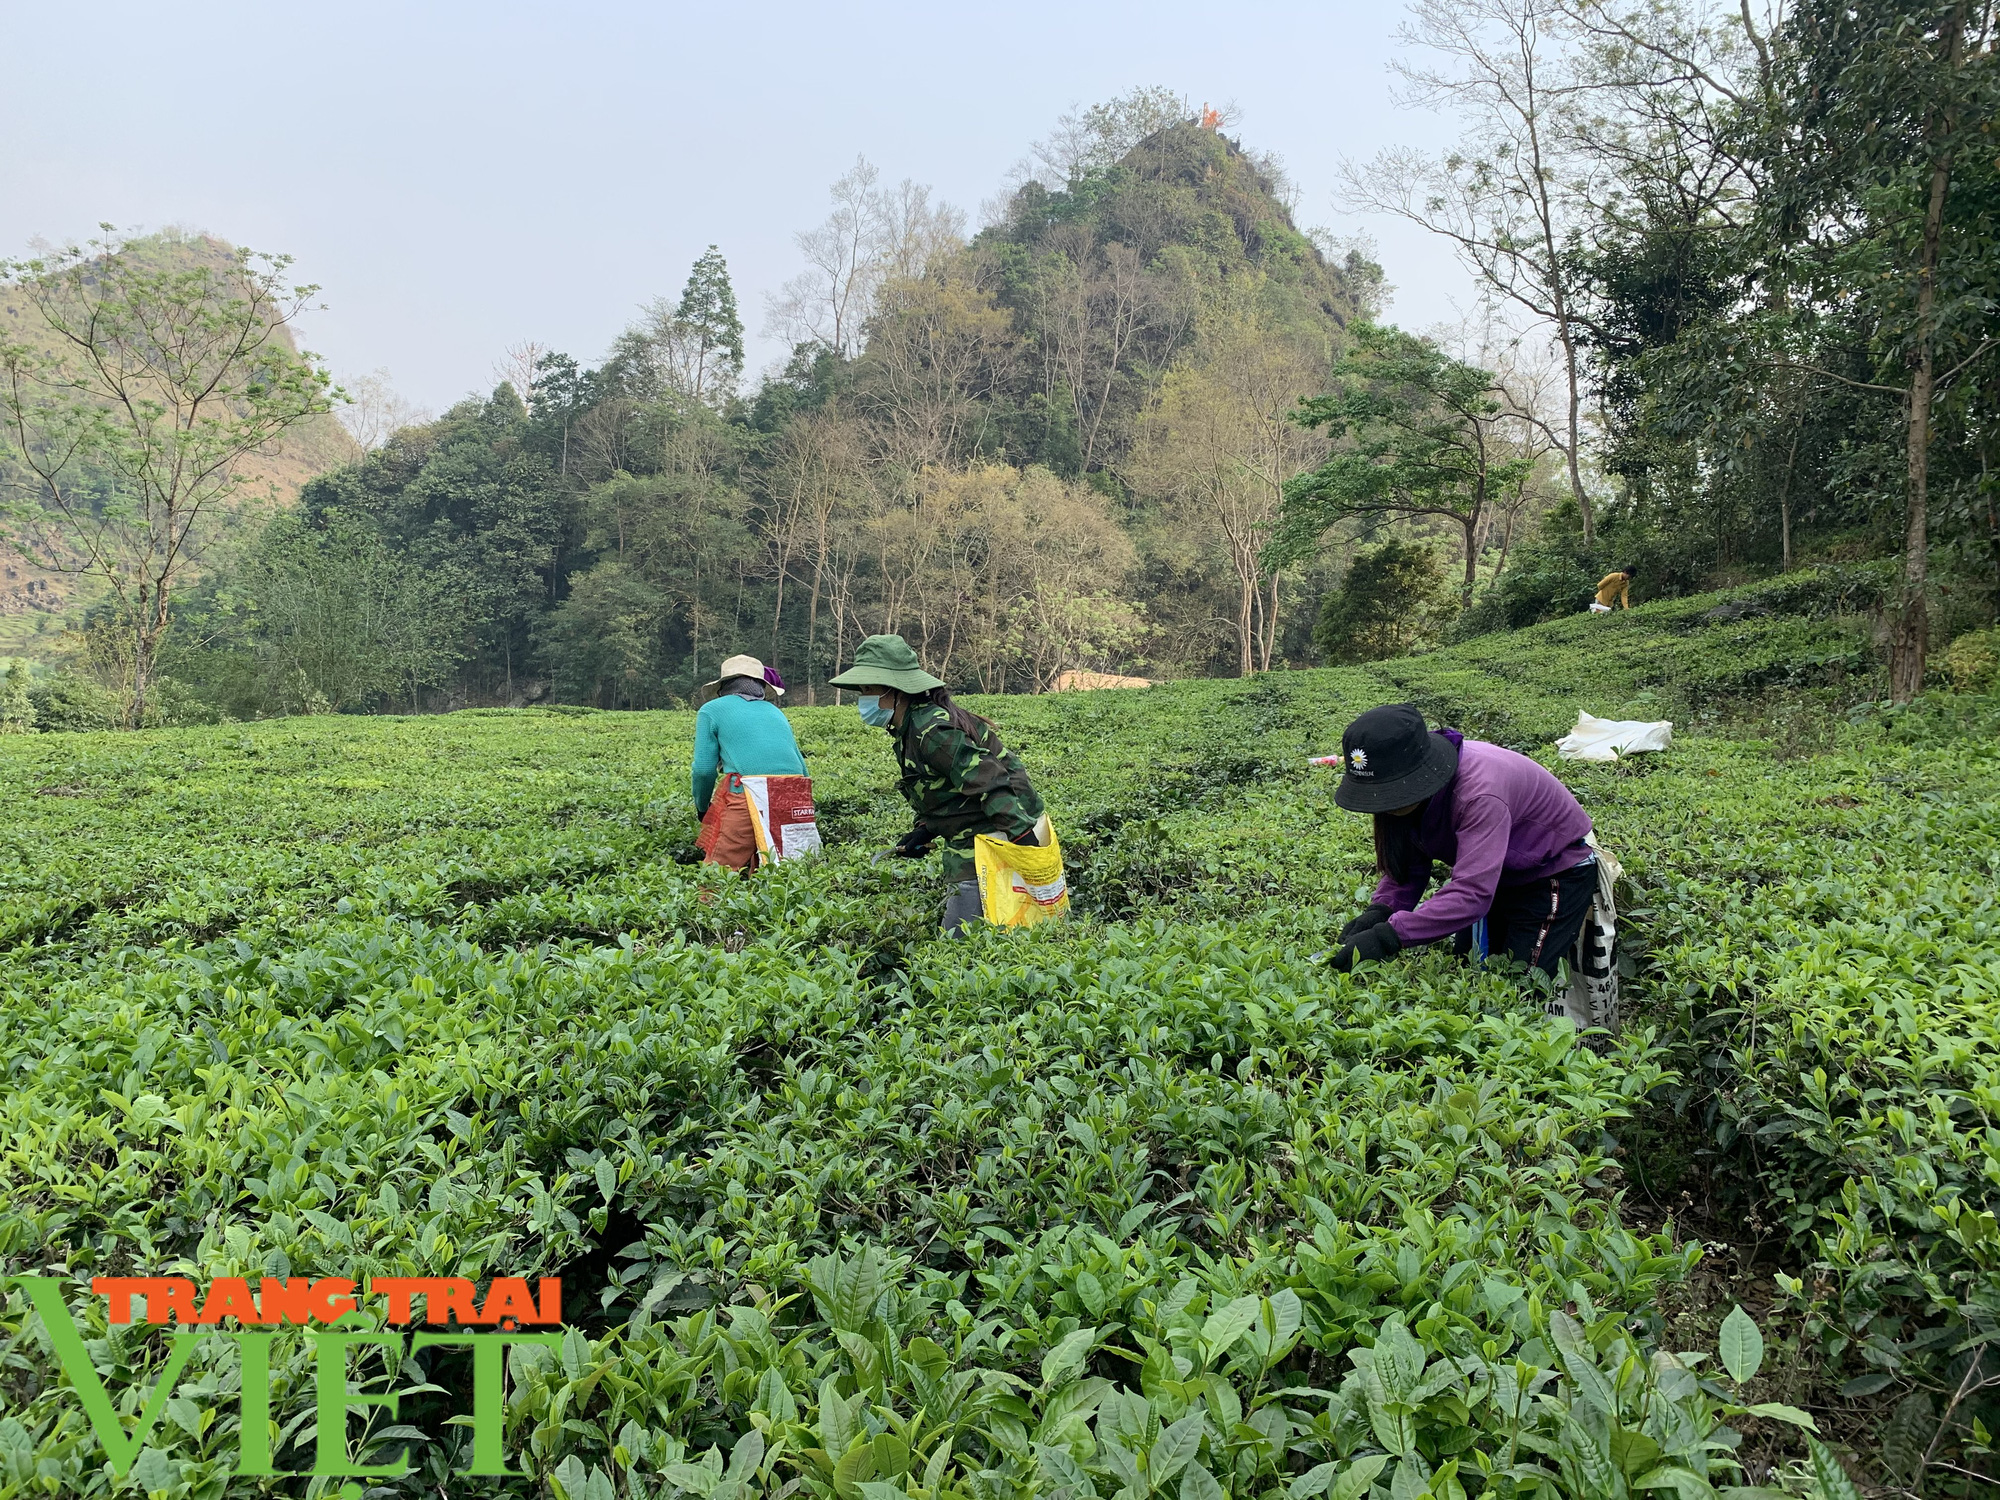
(957, 775)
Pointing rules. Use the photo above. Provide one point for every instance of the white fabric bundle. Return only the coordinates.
(1607, 739)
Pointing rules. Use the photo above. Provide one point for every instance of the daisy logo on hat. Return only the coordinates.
(1357, 762)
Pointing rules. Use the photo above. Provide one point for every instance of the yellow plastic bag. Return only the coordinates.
(1020, 884)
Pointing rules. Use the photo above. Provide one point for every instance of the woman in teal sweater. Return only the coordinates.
(739, 732)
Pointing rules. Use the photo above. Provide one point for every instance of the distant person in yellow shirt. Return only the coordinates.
(1614, 590)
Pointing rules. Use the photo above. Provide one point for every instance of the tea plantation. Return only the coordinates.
(1148, 1203)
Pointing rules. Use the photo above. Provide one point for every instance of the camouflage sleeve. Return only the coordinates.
(977, 775)
(967, 769)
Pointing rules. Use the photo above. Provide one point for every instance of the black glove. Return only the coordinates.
(688, 856)
(1373, 916)
(913, 844)
(1377, 943)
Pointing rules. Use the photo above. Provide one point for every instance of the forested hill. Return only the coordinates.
(1194, 193)
(1186, 211)
(1057, 443)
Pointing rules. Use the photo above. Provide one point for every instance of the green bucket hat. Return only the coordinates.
(888, 661)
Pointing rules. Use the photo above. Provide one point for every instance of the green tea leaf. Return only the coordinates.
(1833, 1481)
(1174, 1448)
(699, 1478)
(1062, 1471)
(154, 1471)
(1741, 1346)
(1313, 1482)
(1685, 1482)
(1777, 1411)
(1067, 1357)
(746, 1456)
(857, 1464)
(1228, 1324)
(1198, 1484)
(1357, 1477)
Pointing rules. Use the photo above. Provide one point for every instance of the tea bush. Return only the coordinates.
(1151, 1202)
(1972, 662)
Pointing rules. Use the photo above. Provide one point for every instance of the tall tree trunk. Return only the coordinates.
(1992, 516)
(778, 601)
(1909, 640)
(694, 617)
(1785, 504)
(146, 648)
(812, 626)
(1546, 213)
(1271, 622)
(1573, 455)
(135, 714)
(1245, 608)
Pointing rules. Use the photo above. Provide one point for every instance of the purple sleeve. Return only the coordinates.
(1482, 825)
(1401, 895)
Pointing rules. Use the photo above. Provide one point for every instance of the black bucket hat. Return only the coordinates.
(1389, 759)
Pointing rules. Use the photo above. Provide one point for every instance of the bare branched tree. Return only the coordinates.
(937, 349)
(1219, 443)
(874, 235)
(516, 367)
(374, 412)
(1510, 197)
(156, 372)
(818, 496)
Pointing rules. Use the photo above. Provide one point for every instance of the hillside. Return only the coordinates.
(37, 604)
(427, 995)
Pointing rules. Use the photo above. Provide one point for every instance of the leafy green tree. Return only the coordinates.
(563, 392)
(1394, 597)
(132, 408)
(17, 709)
(687, 352)
(1418, 434)
(603, 645)
(707, 314)
(1881, 204)
(1796, 276)
(472, 504)
(341, 621)
(1098, 138)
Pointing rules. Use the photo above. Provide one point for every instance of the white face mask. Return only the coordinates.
(873, 713)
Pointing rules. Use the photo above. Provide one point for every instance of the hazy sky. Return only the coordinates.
(461, 177)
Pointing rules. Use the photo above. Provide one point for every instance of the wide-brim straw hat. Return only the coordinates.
(887, 661)
(738, 666)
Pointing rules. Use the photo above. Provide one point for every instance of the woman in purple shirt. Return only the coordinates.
(1522, 875)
